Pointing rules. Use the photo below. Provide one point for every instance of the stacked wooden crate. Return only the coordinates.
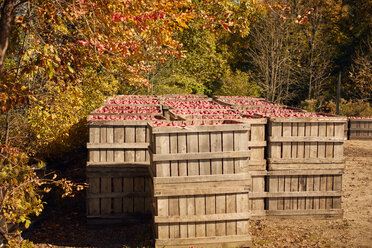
(117, 170)
(201, 185)
(305, 166)
(360, 128)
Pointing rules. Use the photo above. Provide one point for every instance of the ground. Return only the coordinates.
(64, 226)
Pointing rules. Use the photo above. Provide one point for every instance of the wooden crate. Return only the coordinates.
(306, 143)
(201, 185)
(360, 129)
(294, 193)
(117, 169)
(118, 194)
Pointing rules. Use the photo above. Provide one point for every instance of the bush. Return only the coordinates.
(358, 108)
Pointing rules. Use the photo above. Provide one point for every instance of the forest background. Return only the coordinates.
(60, 59)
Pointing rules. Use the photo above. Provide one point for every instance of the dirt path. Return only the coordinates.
(66, 228)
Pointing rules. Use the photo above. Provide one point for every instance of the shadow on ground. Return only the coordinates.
(63, 224)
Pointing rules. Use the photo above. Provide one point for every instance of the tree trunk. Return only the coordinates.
(6, 19)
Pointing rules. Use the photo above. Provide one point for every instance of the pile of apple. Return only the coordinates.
(359, 118)
(203, 112)
(183, 97)
(182, 124)
(219, 117)
(281, 112)
(195, 105)
(132, 101)
(129, 109)
(135, 97)
(250, 102)
(118, 117)
(238, 97)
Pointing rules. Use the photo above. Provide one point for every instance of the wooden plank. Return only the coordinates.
(93, 204)
(117, 146)
(273, 188)
(139, 201)
(307, 161)
(307, 212)
(174, 229)
(294, 188)
(110, 140)
(116, 165)
(210, 211)
(201, 128)
(199, 179)
(128, 201)
(117, 194)
(95, 154)
(148, 196)
(322, 145)
(298, 166)
(228, 168)
(162, 147)
(228, 156)
(329, 187)
(308, 119)
(339, 148)
(281, 188)
(337, 186)
(275, 130)
(119, 139)
(295, 194)
(257, 146)
(193, 170)
(200, 210)
(103, 139)
(191, 211)
(140, 138)
(203, 218)
(307, 144)
(287, 188)
(216, 146)
(216, 169)
(202, 189)
(314, 129)
(162, 170)
(329, 146)
(301, 145)
(205, 204)
(301, 188)
(294, 145)
(130, 137)
(117, 201)
(304, 172)
(182, 170)
(286, 146)
(258, 186)
(309, 203)
(106, 202)
(323, 188)
(317, 187)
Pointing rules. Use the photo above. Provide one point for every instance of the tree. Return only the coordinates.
(273, 53)
(61, 58)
